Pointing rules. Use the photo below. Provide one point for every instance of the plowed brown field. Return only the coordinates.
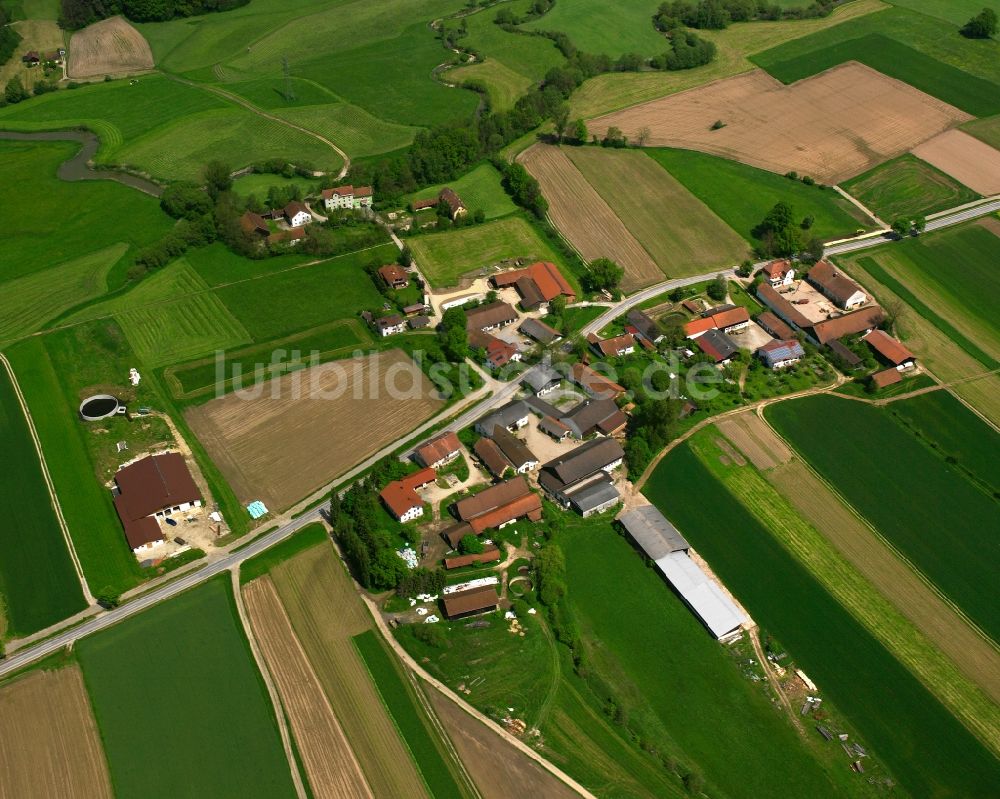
(322, 603)
(108, 47)
(305, 428)
(966, 159)
(585, 219)
(831, 126)
(330, 764)
(49, 744)
(756, 440)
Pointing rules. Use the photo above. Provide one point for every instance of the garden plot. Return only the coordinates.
(831, 126)
(965, 158)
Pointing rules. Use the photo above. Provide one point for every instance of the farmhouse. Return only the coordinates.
(717, 346)
(825, 330)
(418, 322)
(31, 57)
(514, 415)
(539, 283)
(612, 347)
(152, 488)
(296, 214)
(400, 496)
(778, 354)
(773, 325)
(594, 383)
(500, 505)
(890, 350)
(386, 325)
(499, 353)
(491, 317)
(489, 454)
(542, 379)
(456, 207)
(779, 273)
(645, 327)
(728, 320)
(491, 555)
(514, 450)
(837, 286)
(394, 276)
(595, 416)
(471, 602)
(539, 331)
(576, 470)
(349, 197)
(254, 224)
(439, 451)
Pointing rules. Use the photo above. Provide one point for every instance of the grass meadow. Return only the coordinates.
(479, 189)
(590, 23)
(957, 12)
(951, 543)
(444, 257)
(309, 536)
(742, 195)
(356, 131)
(894, 713)
(917, 49)
(259, 183)
(218, 265)
(180, 705)
(38, 584)
(400, 700)
(907, 187)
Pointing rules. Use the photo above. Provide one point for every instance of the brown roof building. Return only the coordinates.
(439, 450)
(594, 383)
(836, 285)
(394, 276)
(514, 450)
(773, 325)
(471, 602)
(499, 505)
(253, 224)
(612, 347)
(158, 485)
(401, 498)
(491, 457)
(490, 317)
(889, 348)
(886, 377)
(491, 555)
(540, 282)
(826, 330)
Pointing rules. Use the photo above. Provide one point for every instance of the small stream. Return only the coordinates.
(78, 167)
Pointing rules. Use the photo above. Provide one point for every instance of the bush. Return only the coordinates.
(981, 26)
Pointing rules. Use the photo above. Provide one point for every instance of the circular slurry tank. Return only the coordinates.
(100, 406)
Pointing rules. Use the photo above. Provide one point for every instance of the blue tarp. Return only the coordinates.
(256, 509)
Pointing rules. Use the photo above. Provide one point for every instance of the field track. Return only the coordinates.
(967, 159)
(330, 764)
(323, 606)
(585, 219)
(832, 126)
(49, 744)
(108, 47)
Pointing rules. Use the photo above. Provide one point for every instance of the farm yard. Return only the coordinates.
(905, 508)
(109, 47)
(286, 438)
(850, 666)
(585, 219)
(329, 762)
(908, 187)
(310, 584)
(38, 582)
(967, 160)
(182, 673)
(479, 189)
(689, 240)
(49, 744)
(831, 126)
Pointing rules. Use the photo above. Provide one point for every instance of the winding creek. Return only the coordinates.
(78, 167)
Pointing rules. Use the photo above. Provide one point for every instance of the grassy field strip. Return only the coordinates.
(330, 764)
(325, 612)
(479, 189)
(399, 698)
(49, 744)
(938, 350)
(28, 302)
(688, 240)
(957, 662)
(353, 128)
(41, 580)
(208, 698)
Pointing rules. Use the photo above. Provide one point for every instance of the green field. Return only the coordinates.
(414, 727)
(258, 183)
(656, 656)
(917, 49)
(742, 195)
(480, 189)
(218, 265)
(611, 27)
(180, 705)
(38, 584)
(355, 130)
(953, 431)
(951, 542)
(301, 540)
(957, 12)
(846, 662)
(444, 257)
(988, 130)
(907, 187)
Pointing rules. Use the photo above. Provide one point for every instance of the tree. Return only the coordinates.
(470, 545)
(901, 227)
(580, 132)
(557, 305)
(185, 201)
(813, 250)
(15, 92)
(217, 179)
(718, 288)
(745, 269)
(643, 137)
(108, 600)
(981, 26)
(561, 120)
(604, 274)
(406, 255)
(454, 335)
(777, 232)
(919, 224)
(614, 138)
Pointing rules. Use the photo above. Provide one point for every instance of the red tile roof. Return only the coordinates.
(888, 347)
(595, 383)
(392, 273)
(439, 448)
(776, 269)
(550, 280)
(486, 556)
(401, 495)
(530, 506)
(721, 320)
(462, 603)
(886, 378)
(338, 191)
(833, 282)
(610, 347)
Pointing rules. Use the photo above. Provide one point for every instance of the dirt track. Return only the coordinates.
(965, 158)
(49, 744)
(330, 764)
(108, 47)
(831, 126)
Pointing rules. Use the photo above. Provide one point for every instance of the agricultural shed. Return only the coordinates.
(512, 415)
(890, 349)
(653, 532)
(644, 325)
(886, 377)
(836, 285)
(705, 599)
(542, 379)
(554, 428)
(841, 350)
(773, 325)
(561, 475)
(595, 497)
(514, 450)
(594, 416)
(490, 317)
(717, 345)
(486, 556)
(155, 486)
(491, 457)
(482, 599)
(539, 331)
(454, 534)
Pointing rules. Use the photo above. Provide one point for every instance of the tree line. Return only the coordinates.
(717, 14)
(80, 13)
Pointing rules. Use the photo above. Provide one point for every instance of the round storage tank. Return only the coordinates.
(100, 406)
